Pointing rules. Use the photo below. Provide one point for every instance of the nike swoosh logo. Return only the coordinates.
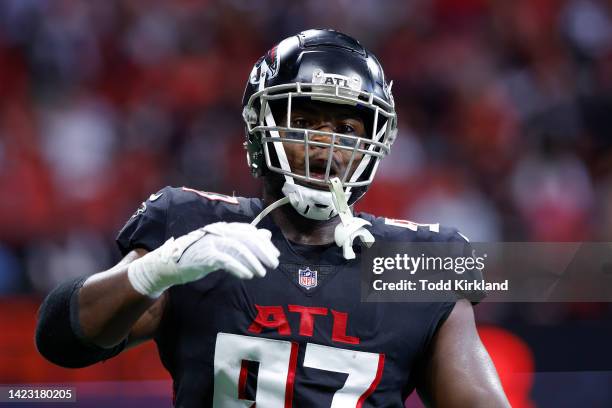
(154, 197)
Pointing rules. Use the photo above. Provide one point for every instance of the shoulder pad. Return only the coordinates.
(146, 228)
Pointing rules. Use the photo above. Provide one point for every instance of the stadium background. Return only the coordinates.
(505, 114)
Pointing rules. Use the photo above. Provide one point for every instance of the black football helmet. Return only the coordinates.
(326, 66)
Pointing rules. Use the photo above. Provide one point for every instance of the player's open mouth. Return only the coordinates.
(318, 169)
(321, 175)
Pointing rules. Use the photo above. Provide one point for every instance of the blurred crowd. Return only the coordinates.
(505, 112)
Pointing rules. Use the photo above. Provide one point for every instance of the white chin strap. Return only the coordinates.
(323, 205)
(350, 227)
(310, 203)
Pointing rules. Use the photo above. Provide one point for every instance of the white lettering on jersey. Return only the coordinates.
(213, 196)
(411, 225)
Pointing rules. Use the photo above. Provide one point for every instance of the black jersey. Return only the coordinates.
(298, 337)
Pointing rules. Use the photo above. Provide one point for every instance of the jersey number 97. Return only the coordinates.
(277, 365)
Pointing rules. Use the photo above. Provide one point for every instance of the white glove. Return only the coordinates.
(239, 248)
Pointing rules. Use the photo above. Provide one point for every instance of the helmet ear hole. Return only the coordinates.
(254, 155)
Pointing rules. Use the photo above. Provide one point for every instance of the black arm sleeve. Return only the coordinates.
(58, 333)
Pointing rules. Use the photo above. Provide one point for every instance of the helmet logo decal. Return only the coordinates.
(320, 77)
(268, 65)
(274, 64)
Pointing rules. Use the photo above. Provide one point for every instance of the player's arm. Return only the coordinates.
(459, 372)
(83, 323)
(111, 310)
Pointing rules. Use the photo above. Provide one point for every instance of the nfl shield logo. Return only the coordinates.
(307, 278)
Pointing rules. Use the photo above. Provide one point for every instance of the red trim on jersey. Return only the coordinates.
(213, 196)
(339, 329)
(372, 387)
(291, 375)
(307, 317)
(244, 370)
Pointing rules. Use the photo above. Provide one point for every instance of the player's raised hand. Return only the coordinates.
(239, 248)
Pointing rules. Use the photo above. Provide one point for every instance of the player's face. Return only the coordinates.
(325, 117)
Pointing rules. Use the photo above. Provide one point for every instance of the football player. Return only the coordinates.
(256, 301)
